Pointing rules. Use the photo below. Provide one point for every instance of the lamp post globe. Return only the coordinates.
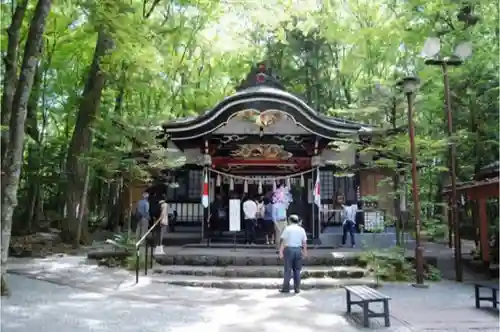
(431, 52)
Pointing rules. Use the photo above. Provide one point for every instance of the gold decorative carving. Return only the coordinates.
(261, 151)
(262, 119)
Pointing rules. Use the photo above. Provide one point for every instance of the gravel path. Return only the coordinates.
(100, 299)
(40, 306)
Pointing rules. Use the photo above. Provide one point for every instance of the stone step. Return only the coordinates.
(338, 272)
(257, 246)
(247, 257)
(259, 283)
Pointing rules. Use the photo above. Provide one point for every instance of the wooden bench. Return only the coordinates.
(494, 296)
(368, 295)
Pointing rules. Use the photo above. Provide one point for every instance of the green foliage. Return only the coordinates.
(130, 263)
(342, 58)
(434, 229)
(123, 239)
(392, 265)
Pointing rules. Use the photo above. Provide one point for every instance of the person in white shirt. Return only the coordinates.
(162, 228)
(250, 209)
(349, 221)
(293, 249)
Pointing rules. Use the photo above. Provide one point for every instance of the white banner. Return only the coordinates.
(234, 215)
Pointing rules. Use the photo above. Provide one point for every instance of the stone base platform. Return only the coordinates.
(332, 237)
(265, 257)
(260, 283)
(250, 257)
(337, 272)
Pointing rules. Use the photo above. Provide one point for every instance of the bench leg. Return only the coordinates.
(495, 299)
(348, 301)
(365, 314)
(476, 292)
(387, 320)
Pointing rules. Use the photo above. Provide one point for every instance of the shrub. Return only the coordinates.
(392, 265)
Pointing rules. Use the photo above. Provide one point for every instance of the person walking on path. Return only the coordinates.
(142, 216)
(162, 227)
(267, 221)
(349, 221)
(292, 250)
(250, 210)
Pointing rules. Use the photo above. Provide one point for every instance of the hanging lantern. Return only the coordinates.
(231, 184)
(219, 180)
(302, 181)
(245, 186)
(260, 187)
(274, 185)
(288, 182)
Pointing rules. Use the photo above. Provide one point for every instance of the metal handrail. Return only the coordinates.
(137, 252)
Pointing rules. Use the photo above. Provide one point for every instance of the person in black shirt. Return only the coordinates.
(218, 215)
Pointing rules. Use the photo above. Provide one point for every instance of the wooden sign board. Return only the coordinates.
(234, 215)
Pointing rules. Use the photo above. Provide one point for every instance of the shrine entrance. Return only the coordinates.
(260, 137)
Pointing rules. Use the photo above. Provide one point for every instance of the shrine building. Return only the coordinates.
(264, 135)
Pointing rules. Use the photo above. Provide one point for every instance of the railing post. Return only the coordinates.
(137, 264)
(137, 253)
(146, 257)
(151, 257)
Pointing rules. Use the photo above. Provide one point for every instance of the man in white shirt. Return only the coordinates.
(250, 210)
(293, 248)
(349, 221)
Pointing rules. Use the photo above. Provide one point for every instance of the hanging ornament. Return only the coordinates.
(302, 181)
(288, 182)
(245, 186)
(204, 197)
(219, 180)
(231, 184)
(260, 187)
(274, 185)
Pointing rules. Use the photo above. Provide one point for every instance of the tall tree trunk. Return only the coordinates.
(10, 75)
(34, 152)
(13, 157)
(81, 141)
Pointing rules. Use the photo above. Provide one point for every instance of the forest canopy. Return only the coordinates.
(85, 84)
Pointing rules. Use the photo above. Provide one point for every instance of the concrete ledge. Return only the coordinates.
(338, 272)
(261, 283)
(250, 259)
(108, 254)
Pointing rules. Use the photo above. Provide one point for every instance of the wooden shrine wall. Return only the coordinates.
(186, 198)
(377, 182)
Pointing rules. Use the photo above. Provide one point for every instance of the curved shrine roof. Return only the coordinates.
(261, 97)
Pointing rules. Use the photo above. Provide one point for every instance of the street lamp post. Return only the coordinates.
(431, 50)
(409, 86)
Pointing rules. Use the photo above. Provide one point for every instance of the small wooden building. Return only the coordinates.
(483, 187)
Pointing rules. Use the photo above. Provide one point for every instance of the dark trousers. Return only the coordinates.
(348, 227)
(250, 230)
(292, 267)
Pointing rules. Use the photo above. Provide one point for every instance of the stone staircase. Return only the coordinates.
(256, 268)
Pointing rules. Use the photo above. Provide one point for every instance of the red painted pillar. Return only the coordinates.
(483, 230)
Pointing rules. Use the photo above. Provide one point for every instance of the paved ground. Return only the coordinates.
(72, 296)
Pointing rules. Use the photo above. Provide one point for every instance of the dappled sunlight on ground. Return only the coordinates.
(77, 296)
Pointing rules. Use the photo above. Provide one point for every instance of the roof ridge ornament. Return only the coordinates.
(261, 75)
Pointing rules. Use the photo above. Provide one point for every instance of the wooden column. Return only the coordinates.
(483, 230)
